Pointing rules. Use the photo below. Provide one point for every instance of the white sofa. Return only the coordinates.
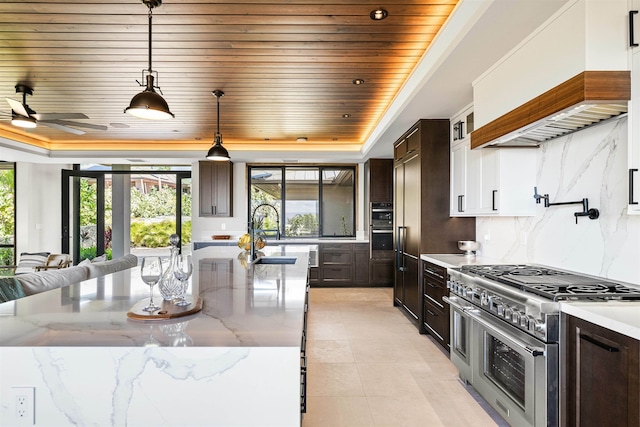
(33, 283)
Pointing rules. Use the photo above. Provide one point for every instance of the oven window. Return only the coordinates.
(505, 367)
(460, 334)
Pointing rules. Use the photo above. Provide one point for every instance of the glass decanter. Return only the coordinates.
(170, 286)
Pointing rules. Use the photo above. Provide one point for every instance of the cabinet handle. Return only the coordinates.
(599, 344)
(460, 197)
(632, 40)
(431, 313)
(493, 200)
(631, 172)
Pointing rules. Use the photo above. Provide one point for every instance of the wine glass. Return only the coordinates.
(151, 271)
(182, 272)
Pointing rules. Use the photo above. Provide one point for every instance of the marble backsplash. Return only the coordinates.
(591, 163)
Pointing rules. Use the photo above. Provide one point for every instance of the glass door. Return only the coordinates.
(83, 214)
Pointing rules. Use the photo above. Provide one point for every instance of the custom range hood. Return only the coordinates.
(584, 100)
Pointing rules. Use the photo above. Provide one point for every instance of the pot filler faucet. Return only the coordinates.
(592, 213)
(252, 229)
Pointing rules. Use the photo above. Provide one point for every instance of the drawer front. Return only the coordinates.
(436, 321)
(337, 247)
(436, 272)
(433, 289)
(337, 258)
(336, 273)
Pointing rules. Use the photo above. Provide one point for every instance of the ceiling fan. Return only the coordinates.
(23, 116)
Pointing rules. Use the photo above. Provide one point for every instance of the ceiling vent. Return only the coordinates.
(582, 101)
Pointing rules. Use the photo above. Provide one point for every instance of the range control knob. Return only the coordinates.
(540, 326)
(515, 317)
(484, 298)
(524, 321)
(531, 323)
(507, 312)
(499, 309)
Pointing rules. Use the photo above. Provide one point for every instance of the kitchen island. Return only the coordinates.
(235, 363)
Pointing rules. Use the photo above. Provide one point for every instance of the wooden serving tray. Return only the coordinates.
(168, 310)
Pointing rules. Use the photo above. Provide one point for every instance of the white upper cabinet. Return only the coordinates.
(489, 181)
(634, 108)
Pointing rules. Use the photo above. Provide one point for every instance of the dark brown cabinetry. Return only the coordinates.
(379, 180)
(421, 208)
(435, 312)
(601, 380)
(216, 189)
(341, 264)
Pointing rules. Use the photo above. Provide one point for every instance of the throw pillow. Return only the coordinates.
(29, 261)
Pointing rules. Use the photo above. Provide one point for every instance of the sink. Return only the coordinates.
(276, 260)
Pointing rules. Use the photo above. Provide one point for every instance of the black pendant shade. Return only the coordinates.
(217, 152)
(148, 104)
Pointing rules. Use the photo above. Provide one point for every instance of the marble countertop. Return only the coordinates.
(619, 316)
(271, 241)
(457, 260)
(244, 306)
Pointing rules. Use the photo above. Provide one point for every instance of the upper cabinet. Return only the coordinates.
(216, 188)
(491, 181)
(634, 110)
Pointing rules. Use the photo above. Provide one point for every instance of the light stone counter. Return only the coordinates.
(236, 363)
(458, 260)
(619, 316)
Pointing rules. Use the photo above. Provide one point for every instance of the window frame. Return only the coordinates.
(320, 168)
(13, 165)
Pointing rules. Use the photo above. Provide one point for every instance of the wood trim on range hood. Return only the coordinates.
(583, 100)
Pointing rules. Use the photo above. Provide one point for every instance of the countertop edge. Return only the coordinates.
(620, 317)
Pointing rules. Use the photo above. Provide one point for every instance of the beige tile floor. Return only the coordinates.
(369, 366)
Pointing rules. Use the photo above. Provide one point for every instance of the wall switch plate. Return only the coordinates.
(24, 403)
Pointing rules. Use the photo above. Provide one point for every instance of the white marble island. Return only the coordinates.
(236, 363)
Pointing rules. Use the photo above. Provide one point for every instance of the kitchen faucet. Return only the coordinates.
(252, 229)
(592, 213)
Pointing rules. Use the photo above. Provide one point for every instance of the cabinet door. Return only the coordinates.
(412, 206)
(634, 26)
(458, 179)
(411, 299)
(380, 180)
(602, 376)
(634, 130)
(216, 189)
(361, 265)
(488, 200)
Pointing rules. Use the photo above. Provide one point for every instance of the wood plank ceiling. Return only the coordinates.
(286, 67)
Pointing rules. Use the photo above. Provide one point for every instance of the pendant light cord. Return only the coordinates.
(150, 30)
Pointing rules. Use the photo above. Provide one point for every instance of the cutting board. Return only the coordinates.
(168, 310)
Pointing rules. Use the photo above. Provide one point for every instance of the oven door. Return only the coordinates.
(460, 336)
(514, 372)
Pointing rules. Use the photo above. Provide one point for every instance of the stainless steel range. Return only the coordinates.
(505, 333)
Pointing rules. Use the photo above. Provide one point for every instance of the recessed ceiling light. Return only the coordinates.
(358, 81)
(378, 14)
(301, 139)
(346, 116)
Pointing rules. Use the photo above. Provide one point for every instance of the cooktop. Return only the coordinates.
(553, 284)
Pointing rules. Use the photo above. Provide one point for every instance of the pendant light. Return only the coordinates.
(217, 151)
(148, 104)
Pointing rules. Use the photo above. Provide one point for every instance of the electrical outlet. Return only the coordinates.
(223, 226)
(24, 400)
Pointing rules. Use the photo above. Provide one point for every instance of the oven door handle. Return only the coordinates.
(533, 351)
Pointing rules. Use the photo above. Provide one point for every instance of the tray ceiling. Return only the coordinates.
(286, 67)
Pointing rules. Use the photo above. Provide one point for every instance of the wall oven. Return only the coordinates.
(381, 230)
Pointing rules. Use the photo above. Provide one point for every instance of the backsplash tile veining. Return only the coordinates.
(591, 163)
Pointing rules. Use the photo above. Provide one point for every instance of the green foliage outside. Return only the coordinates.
(90, 253)
(156, 234)
(7, 215)
(303, 225)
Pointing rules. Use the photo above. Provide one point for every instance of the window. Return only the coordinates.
(303, 201)
(7, 214)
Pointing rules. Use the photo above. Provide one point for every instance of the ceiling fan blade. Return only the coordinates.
(63, 128)
(18, 107)
(76, 124)
(59, 116)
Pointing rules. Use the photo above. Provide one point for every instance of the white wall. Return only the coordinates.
(38, 209)
(591, 163)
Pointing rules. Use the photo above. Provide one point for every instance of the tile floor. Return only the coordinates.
(368, 366)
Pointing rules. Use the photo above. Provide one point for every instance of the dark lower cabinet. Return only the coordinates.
(435, 312)
(409, 292)
(342, 265)
(601, 376)
(381, 272)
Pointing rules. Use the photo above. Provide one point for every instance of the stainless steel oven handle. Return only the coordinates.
(533, 351)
